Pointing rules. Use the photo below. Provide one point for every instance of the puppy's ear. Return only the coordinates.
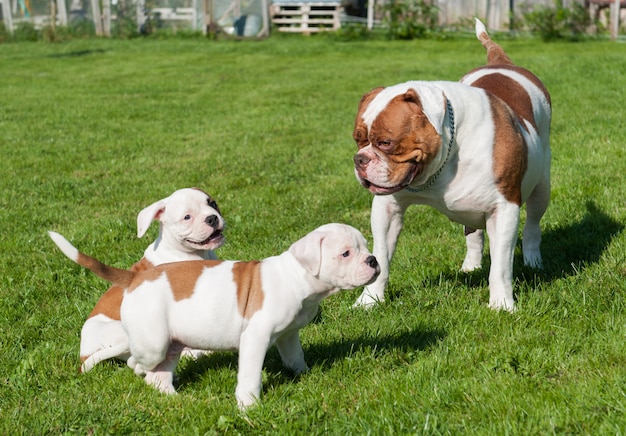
(433, 102)
(145, 217)
(308, 251)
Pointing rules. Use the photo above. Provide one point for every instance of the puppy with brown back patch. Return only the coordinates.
(474, 150)
(190, 228)
(230, 305)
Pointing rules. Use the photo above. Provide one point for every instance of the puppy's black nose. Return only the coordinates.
(360, 160)
(212, 220)
(371, 261)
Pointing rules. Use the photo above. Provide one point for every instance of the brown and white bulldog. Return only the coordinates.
(230, 305)
(190, 228)
(474, 150)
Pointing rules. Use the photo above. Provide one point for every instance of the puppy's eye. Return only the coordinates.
(187, 217)
(212, 204)
(384, 144)
(346, 253)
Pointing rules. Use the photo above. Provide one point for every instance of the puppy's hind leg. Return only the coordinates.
(536, 206)
(162, 375)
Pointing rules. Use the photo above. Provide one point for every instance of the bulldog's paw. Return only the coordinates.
(533, 259)
(368, 300)
(194, 354)
(245, 401)
(473, 260)
(502, 304)
(162, 381)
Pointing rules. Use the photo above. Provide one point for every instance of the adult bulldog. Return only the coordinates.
(474, 150)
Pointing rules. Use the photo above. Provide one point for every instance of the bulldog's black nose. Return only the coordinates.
(360, 160)
(212, 220)
(371, 261)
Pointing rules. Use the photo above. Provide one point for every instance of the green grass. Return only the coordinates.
(93, 131)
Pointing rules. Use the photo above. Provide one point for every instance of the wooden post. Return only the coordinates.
(62, 12)
(141, 14)
(53, 15)
(97, 17)
(6, 15)
(106, 17)
(615, 12)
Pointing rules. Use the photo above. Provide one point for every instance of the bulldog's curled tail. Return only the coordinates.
(111, 274)
(495, 53)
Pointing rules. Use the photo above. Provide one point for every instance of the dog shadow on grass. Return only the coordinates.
(403, 346)
(565, 250)
(567, 247)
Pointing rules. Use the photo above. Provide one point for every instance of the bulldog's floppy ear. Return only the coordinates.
(145, 217)
(308, 252)
(433, 102)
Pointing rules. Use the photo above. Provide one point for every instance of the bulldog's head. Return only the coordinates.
(337, 256)
(398, 134)
(190, 220)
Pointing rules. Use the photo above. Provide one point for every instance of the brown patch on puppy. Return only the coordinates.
(183, 276)
(510, 153)
(250, 296)
(110, 302)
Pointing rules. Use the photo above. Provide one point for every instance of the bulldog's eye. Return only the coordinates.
(187, 217)
(384, 144)
(346, 253)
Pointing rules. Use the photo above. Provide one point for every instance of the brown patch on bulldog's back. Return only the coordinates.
(247, 276)
(510, 153)
(511, 92)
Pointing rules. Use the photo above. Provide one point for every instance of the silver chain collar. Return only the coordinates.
(432, 178)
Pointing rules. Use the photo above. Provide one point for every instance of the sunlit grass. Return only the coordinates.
(93, 131)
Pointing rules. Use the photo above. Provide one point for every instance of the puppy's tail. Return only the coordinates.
(495, 53)
(116, 276)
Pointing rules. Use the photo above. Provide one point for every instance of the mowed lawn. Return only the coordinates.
(93, 131)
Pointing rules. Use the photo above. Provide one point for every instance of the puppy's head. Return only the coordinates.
(398, 134)
(190, 219)
(337, 255)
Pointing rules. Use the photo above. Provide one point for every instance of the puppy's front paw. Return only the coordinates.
(368, 300)
(245, 401)
(506, 305)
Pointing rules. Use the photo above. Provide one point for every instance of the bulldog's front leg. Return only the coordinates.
(291, 353)
(502, 226)
(386, 221)
(253, 346)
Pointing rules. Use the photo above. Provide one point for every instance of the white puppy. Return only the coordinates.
(191, 227)
(230, 305)
(474, 150)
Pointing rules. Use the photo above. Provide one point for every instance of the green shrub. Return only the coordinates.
(25, 31)
(4, 33)
(410, 19)
(558, 22)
